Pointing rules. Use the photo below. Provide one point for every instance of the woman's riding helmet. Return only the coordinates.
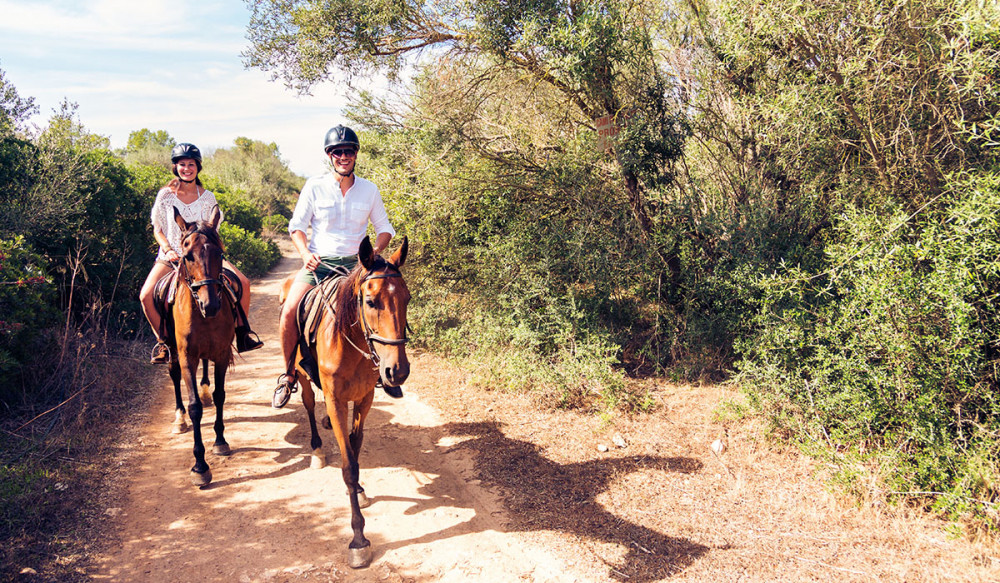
(185, 150)
(340, 136)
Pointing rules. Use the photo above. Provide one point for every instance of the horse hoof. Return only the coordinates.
(360, 558)
(318, 460)
(207, 403)
(326, 423)
(363, 500)
(201, 480)
(180, 425)
(221, 449)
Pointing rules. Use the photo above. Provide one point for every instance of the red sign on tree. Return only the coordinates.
(606, 131)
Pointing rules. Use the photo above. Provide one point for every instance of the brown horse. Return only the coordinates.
(201, 328)
(360, 339)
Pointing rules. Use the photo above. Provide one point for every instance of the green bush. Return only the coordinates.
(27, 311)
(239, 211)
(275, 225)
(893, 348)
(252, 255)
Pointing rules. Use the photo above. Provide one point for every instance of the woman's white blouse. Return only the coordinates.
(163, 215)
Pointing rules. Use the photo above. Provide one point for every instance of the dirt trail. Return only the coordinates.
(566, 496)
(268, 516)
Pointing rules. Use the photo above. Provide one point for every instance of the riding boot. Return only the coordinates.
(286, 386)
(394, 392)
(247, 339)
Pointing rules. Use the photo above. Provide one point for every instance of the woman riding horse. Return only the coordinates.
(186, 194)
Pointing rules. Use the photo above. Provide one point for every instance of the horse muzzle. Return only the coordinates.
(394, 375)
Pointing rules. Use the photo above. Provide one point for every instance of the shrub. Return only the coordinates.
(27, 300)
(239, 211)
(275, 225)
(252, 255)
(892, 349)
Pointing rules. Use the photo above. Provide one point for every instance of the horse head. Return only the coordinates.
(201, 261)
(382, 299)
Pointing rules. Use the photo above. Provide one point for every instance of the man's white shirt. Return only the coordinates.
(339, 222)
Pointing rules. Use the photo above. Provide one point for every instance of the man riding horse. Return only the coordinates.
(338, 207)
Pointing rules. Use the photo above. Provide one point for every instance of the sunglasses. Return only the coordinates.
(340, 153)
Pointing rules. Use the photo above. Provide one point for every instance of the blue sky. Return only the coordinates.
(169, 65)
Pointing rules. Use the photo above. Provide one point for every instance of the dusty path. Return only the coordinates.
(565, 495)
(268, 516)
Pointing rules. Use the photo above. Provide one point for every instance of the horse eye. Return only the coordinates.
(370, 302)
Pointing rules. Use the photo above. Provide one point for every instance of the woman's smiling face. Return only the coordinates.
(187, 169)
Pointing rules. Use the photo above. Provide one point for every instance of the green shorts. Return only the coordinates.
(327, 267)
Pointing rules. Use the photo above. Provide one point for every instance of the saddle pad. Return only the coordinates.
(311, 307)
(308, 317)
(166, 290)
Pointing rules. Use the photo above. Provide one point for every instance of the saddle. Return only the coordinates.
(308, 315)
(165, 292)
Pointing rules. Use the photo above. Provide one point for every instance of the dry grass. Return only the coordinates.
(665, 506)
(61, 457)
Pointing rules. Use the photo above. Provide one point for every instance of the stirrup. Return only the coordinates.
(160, 354)
(284, 390)
(245, 342)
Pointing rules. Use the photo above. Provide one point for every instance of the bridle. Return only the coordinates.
(370, 337)
(194, 285)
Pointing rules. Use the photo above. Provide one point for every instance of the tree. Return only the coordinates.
(255, 171)
(145, 138)
(596, 54)
(14, 110)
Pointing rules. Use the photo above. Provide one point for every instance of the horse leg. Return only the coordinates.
(221, 447)
(201, 475)
(360, 410)
(179, 425)
(360, 549)
(206, 396)
(309, 400)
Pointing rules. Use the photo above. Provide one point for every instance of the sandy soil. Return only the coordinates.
(470, 484)
(267, 516)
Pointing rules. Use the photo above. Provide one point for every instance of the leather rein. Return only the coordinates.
(194, 285)
(370, 337)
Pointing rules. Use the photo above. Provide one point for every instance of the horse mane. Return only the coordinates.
(346, 301)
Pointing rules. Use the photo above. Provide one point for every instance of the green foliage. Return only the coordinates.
(257, 173)
(249, 253)
(146, 138)
(892, 348)
(149, 148)
(27, 310)
(274, 225)
(238, 211)
(14, 109)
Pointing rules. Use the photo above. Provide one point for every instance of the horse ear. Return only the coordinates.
(399, 257)
(366, 253)
(180, 221)
(216, 217)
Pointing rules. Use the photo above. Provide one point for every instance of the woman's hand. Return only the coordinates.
(172, 256)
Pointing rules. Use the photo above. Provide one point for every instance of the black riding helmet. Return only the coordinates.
(182, 151)
(340, 136)
(185, 150)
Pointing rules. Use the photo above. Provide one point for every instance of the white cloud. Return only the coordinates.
(117, 25)
(161, 65)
